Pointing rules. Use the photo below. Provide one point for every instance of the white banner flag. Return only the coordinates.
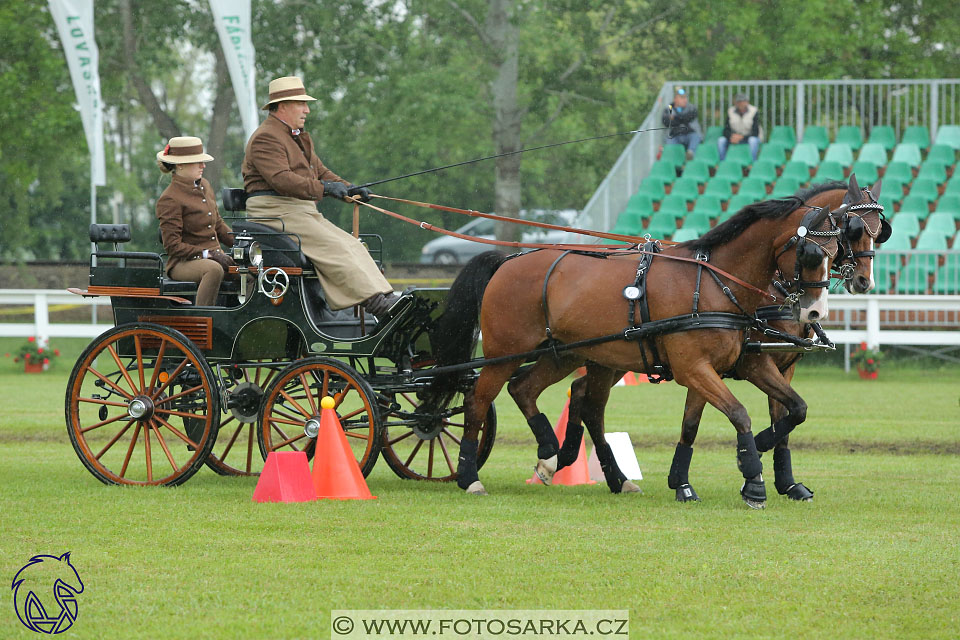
(74, 19)
(232, 18)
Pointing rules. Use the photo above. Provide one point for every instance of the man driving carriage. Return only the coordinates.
(284, 179)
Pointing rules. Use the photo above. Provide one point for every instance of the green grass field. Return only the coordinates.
(875, 555)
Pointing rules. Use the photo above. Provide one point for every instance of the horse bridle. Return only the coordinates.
(853, 226)
(809, 253)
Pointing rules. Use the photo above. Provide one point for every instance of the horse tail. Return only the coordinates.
(455, 336)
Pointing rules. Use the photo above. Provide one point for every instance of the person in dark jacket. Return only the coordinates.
(681, 117)
(191, 228)
(742, 127)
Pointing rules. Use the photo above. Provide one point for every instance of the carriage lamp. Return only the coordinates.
(246, 251)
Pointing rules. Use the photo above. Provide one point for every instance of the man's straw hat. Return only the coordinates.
(182, 150)
(288, 88)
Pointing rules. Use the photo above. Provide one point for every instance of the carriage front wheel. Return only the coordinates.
(142, 406)
(291, 409)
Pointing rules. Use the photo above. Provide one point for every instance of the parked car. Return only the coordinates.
(450, 250)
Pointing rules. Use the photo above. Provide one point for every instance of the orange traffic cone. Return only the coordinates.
(285, 478)
(336, 474)
(576, 473)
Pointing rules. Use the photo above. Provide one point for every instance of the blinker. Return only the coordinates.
(854, 229)
(885, 230)
(810, 255)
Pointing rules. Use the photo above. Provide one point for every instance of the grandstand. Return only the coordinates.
(904, 132)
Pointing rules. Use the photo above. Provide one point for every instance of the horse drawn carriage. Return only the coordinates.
(173, 385)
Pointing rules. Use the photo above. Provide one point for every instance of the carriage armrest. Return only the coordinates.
(129, 255)
(234, 199)
(110, 233)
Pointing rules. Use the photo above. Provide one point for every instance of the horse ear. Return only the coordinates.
(875, 189)
(65, 557)
(853, 191)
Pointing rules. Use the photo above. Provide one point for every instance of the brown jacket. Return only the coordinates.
(190, 221)
(274, 161)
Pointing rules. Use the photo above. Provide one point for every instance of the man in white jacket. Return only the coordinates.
(742, 127)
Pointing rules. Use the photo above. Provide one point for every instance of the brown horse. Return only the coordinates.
(541, 297)
(861, 224)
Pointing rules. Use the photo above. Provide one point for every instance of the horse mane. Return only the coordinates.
(765, 209)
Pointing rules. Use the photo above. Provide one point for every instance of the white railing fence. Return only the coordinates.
(42, 300)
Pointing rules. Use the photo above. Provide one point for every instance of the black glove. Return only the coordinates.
(334, 189)
(225, 262)
(358, 192)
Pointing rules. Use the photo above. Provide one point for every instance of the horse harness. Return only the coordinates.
(852, 224)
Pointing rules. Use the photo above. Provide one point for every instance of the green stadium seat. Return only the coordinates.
(738, 202)
(949, 135)
(840, 153)
(909, 153)
(697, 170)
(785, 187)
(883, 135)
(674, 154)
(629, 223)
(764, 170)
(828, 171)
(952, 258)
(912, 278)
(740, 153)
(899, 171)
(707, 153)
(756, 188)
(773, 152)
(806, 153)
(730, 170)
(953, 184)
(907, 224)
(893, 188)
(661, 225)
(886, 264)
(926, 188)
(664, 171)
(817, 136)
(918, 135)
(710, 205)
(887, 203)
(875, 153)
(699, 222)
(713, 133)
(851, 136)
(917, 205)
(653, 187)
(943, 154)
(784, 135)
(865, 171)
(941, 223)
(685, 234)
(796, 170)
(931, 242)
(719, 187)
(933, 171)
(673, 205)
(641, 203)
(949, 204)
(688, 188)
(947, 279)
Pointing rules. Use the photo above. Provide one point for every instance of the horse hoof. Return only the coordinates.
(754, 504)
(545, 469)
(753, 492)
(799, 493)
(630, 487)
(685, 493)
(476, 489)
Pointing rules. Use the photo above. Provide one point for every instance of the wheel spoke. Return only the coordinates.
(108, 403)
(223, 456)
(413, 453)
(282, 435)
(454, 424)
(290, 440)
(353, 413)
(452, 437)
(113, 440)
(338, 398)
(446, 454)
(411, 399)
(351, 434)
(133, 442)
(166, 450)
(278, 410)
(399, 438)
(125, 394)
(119, 416)
(176, 432)
(123, 368)
(173, 376)
(296, 423)
(430, 460)
(146, 446)
(157, 363)
(182, 414)
(195, 389)
(294, 403)
(309, 394)
(250, 448)
(139, 350)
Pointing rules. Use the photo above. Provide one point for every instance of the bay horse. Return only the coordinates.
(861, 225)
(586, 301)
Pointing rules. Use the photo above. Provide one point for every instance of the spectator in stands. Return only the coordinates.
(742, 126)
(681, 117)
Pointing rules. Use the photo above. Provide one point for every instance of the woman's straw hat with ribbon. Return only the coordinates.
(287, 88)
(183, 150)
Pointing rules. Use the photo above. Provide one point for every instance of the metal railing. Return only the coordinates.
(796, 103)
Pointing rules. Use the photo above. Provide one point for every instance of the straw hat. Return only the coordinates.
(288, 88)
(182, 150)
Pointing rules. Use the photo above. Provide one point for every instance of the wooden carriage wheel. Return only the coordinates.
(293, 400)
(425, 447)
(142, 407)
(236, 452)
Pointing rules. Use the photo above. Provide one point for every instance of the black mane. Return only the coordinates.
(766, 209)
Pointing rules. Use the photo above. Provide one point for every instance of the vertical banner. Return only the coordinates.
(74, 20)
(232, 18)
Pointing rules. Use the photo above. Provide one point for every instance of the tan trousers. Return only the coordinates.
(347, 272)
(208, 273)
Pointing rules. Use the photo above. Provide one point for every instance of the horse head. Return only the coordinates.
(803, 263)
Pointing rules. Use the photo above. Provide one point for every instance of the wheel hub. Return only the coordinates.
(428, 427)
(140, 408)
(244, 402)
(312, 427)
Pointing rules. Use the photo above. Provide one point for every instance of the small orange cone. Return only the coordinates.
(576, 473)
(285, 478)
(336, 474)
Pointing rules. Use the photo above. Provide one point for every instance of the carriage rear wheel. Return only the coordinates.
(293, 400)
(236, 452)
(425, 446)
(142, 406)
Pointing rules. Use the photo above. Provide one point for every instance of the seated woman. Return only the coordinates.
(190, 224)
